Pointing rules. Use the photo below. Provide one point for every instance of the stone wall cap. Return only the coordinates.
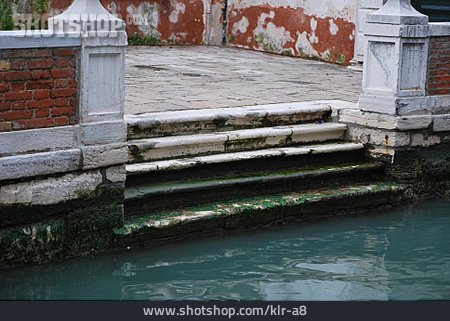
(439, 29)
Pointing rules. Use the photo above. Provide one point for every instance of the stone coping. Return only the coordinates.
(22, 39)
(438, 29)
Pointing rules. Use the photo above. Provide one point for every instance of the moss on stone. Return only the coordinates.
(33, 243)
(41, 6)
(340, 59)
(6, 15)
(265, 43)
(250, 206)
(136, 40)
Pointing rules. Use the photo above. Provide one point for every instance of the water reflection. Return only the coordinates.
(402, 254)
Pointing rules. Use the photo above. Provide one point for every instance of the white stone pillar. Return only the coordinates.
(395, 66)
(101, 80)
(363, 8)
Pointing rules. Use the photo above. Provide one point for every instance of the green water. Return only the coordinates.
(399, 254)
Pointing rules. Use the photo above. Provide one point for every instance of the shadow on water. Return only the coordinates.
(401, 254)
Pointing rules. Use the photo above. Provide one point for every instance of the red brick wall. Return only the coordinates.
(38, 88)
(439, 66)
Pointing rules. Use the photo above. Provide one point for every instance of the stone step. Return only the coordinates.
(217, 218)
(153, 197)
(228, 164)
(215, 120)
(239, 140)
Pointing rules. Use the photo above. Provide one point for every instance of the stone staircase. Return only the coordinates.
(200, 172)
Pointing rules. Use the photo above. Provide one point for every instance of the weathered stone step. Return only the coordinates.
(247, 162)
(213, 120)
(217, 218)
(239, 140)
(146, 199)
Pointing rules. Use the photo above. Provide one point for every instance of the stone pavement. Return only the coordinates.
(199, 77)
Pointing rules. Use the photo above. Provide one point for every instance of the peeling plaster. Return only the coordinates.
(304, 47)
(291, 30)
(272, 38)
(333, 28)
(156, 18)
(178, 8)
(344, 9)
(313, 38)
(150, 12)
(241, 26)
(112, 8)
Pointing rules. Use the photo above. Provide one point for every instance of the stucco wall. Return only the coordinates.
(321, 29)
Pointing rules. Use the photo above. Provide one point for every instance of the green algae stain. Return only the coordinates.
(136, 40)
(34, 243)
(250, 206)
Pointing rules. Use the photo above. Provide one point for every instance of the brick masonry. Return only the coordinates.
(439, 66)
(38, 88)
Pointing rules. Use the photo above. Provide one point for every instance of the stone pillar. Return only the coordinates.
(395, 64)
(403, 113)
(363, 8)
(102, 91)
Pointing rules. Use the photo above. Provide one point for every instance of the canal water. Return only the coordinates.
(399, 254)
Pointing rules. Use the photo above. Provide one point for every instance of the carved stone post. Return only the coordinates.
(102, 70)
(396, 60)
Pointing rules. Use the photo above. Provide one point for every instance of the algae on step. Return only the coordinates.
(258, 206)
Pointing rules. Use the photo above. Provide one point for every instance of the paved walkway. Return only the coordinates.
(182, 78)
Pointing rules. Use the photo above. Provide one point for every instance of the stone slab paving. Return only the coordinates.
(162, 79)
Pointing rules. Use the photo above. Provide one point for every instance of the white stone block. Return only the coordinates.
(38, 140)
(379, 137)
(439, 104)
(52, 190)
(116, 174)
(424, 140)
(379, 104)
(382, 121)
(374, 120)
(413, 122)
(413, 106)
(103, 133)
(104, 155)
(30, 165)
(441, 123)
